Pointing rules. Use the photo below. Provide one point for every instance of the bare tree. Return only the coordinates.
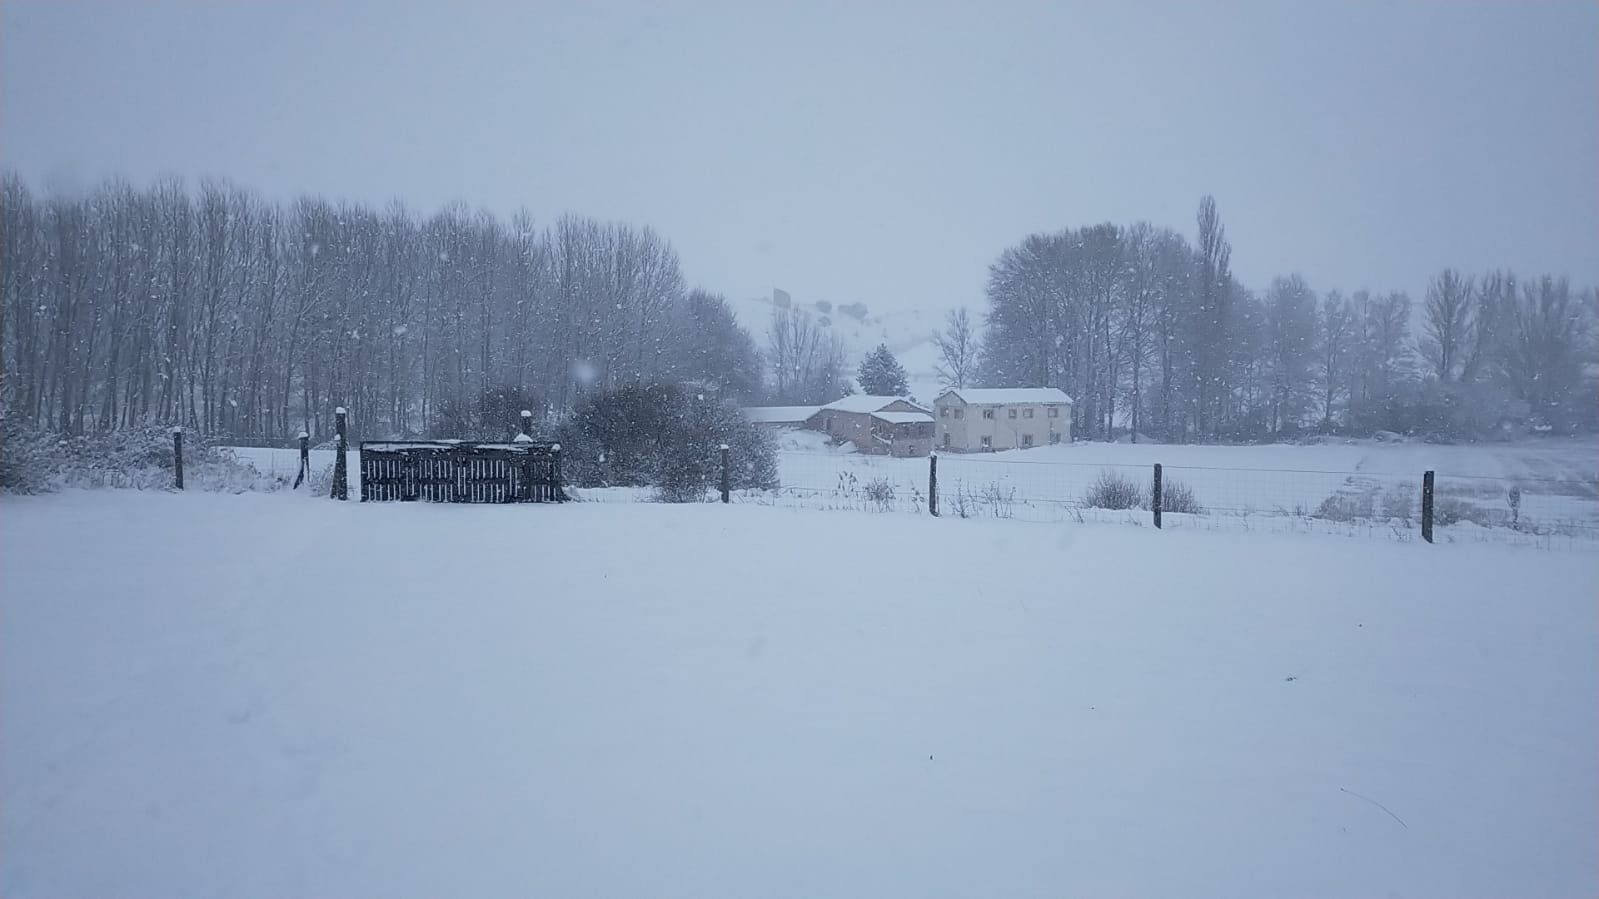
(1337, 323)
(1448, 324)
(957, 349)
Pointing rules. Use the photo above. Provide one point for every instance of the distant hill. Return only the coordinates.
(909, 333)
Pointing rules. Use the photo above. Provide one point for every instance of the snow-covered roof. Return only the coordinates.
(1004, 396)
(865, 405)
(772, 415)
(903, 418)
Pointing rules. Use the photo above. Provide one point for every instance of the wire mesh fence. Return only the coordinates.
(1530, 509)
(1545, 511)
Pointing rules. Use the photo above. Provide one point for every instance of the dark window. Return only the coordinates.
(946, 439)
(1012, 413)
(944, 412)
(988, 443)
(1054, 412)
(1027, 440)
(1027, 413)
(988, 413)
(960, 413)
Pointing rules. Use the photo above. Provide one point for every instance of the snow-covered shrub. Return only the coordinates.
(960, 501)
(1114, 491)
(666, 436)
(1398, 502)
(24, 457)
(880, 493)
(1448, 510)
(1175, 496)
(1000, 501)
(1347, 506)
(140, 459)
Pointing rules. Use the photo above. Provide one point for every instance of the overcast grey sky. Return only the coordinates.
(883, 152)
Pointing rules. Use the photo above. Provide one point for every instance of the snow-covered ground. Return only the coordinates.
(269, 695)
(1334, 486)
(1343, 487)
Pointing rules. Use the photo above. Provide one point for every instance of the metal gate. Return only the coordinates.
(452, 471)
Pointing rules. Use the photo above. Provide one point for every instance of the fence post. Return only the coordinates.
(932, 484)
(177, 458)
(341, 473)
(557, 489)
(305, 460)
(525, 467)
(727, 480)
(1155, 496)
(1426, 506)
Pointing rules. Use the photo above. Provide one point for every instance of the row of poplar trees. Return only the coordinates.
(219, 310)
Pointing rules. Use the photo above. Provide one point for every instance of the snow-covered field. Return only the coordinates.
(1341, 488)
(1337, 487)
(268, 695)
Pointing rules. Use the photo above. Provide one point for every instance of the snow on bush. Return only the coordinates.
(665, 436)
(1114, 490)
(880, 493)
(136, 458)
(1175, 496)
(24, 458)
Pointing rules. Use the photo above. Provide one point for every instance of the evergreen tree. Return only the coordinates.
(881, 374)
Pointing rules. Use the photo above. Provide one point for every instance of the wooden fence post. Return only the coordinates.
(341, 473)
(727, 478)
(932, 484)
(557, 490)
(305, 460)
(1426, 506)
(1155, 496)
(177, 458)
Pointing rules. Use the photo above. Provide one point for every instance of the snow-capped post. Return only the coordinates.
(177, 458)
(527, 423)
(932, 484)
(1154, 496)
(341, 474)
(305, 459)
(557, 489)
(1426, 506)
(727, 480)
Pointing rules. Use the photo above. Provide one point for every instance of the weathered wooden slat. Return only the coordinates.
(459, 472)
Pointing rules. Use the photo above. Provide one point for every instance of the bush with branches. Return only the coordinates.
(1114, 490)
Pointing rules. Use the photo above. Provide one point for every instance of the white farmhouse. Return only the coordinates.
(986, 419)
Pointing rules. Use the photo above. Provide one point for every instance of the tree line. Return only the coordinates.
(216, 309)
(1151, 333)
(251, 320)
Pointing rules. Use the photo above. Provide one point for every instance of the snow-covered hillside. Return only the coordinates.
(273, 696)
(908, 333)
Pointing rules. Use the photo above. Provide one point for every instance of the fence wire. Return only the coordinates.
(1523, 509)
(1545, 511)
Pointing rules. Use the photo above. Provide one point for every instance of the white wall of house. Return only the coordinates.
(973, 428)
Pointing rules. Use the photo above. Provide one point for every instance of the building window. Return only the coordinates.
(1054, 436)
(988, 443)
(988, 413)
(944, 412)
(829, 422)
(1012, 413)
(1027, 440)
(946, 440)
(1054, 412)
(960, 413)
(1027, 413)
